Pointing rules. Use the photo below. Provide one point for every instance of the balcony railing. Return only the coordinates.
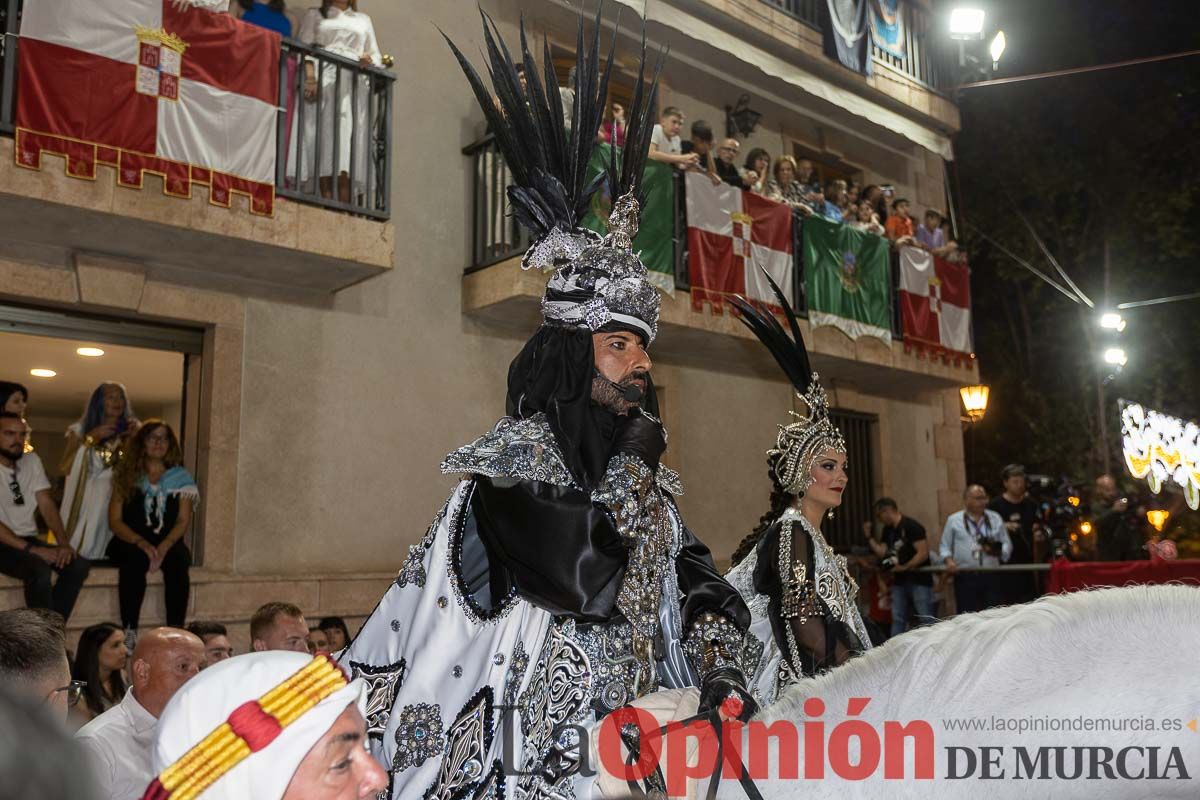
(496, 236)
(925, 55)
(10, 11)
(334, 143)
(333, 146)
(807, 11)
(924, 60)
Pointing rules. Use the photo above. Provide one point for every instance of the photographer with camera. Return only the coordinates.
(903, 549)
(975, 536)
(1116, 538)
(1020, 515)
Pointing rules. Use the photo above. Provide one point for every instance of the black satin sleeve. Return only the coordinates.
(703, 587)
(552, 544)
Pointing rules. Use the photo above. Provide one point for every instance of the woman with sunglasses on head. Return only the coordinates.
(99, 661)
(151, 508)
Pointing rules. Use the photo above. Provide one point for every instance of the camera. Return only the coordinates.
(889, 561)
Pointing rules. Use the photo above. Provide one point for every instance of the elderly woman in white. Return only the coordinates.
(339, 27)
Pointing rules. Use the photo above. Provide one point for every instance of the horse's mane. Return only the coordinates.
(979, 652)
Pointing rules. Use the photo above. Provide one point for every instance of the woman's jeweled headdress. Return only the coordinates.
(596, 280)
(801, 442)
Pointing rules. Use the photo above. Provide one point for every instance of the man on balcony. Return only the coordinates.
(559, 582)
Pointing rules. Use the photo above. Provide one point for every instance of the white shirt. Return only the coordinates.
(960, 539)
(347, 33)
(665, 144)
(31, 477)
(120, 745)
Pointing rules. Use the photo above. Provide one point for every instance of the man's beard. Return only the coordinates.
(606, 395)
(13, 456)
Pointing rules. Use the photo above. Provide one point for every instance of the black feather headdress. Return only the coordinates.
(547, 159)
(800, 442)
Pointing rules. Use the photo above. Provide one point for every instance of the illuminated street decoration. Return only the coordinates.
(1161, 448)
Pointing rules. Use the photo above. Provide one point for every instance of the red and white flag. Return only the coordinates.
(935, 302)
(144, 86)
(731, 234)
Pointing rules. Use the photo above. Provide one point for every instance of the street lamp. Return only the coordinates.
(975, 401)
(1112, 321)
(996, 48)
(966, 23)
(1115, 356)
(1158, 518)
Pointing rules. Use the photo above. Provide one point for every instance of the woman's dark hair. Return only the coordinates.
(274, 5)
(754, 155)
(132, 464)
(8, 389)
(329, 623)
(87, 666)
(780, 501)
(93, 415)
(326, 4)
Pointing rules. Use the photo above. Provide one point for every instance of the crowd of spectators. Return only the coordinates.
(1010, 528)
(872, 209)
(112, 692)
(126, 500)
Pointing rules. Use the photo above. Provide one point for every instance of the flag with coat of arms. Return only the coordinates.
(731, 234)
(847, 277)
(935, 304)
(150, 86)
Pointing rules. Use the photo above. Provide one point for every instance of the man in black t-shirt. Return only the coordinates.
(1020, 514)
(903, 548)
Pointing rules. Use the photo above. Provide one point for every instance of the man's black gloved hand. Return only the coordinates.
(725, 684)
(641, 436)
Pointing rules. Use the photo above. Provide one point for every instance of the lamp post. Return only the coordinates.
(975, 403)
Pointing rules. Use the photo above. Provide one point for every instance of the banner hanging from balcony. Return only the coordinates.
(146, 87)
(731, 234)
(887, 27)
(846, 33)
(655, 243)
(935, 304)
(846, 272)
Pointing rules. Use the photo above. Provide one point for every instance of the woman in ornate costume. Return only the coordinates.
(800, 594)
(93, 444)
(559, 581)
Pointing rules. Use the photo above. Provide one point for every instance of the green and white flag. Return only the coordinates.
(847, 275)
(654, 242)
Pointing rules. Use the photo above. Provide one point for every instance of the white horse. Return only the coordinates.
(1086, 695)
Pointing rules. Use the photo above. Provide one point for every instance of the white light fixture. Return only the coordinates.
(1116, 356)
(1113, 321)
(90, 352)
(996, 48)
(40, 372)
(966, 23)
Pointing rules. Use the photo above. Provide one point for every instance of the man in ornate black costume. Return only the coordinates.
(558, 579)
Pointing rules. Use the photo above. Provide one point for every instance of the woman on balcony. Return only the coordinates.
(152, 502)
(784, 187)
(93, 444)
(757, 168)
(339, 27)
(803, 602)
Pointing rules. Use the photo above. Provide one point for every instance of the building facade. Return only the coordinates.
(329, 360)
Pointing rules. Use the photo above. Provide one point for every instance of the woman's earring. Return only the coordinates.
(830, 514)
